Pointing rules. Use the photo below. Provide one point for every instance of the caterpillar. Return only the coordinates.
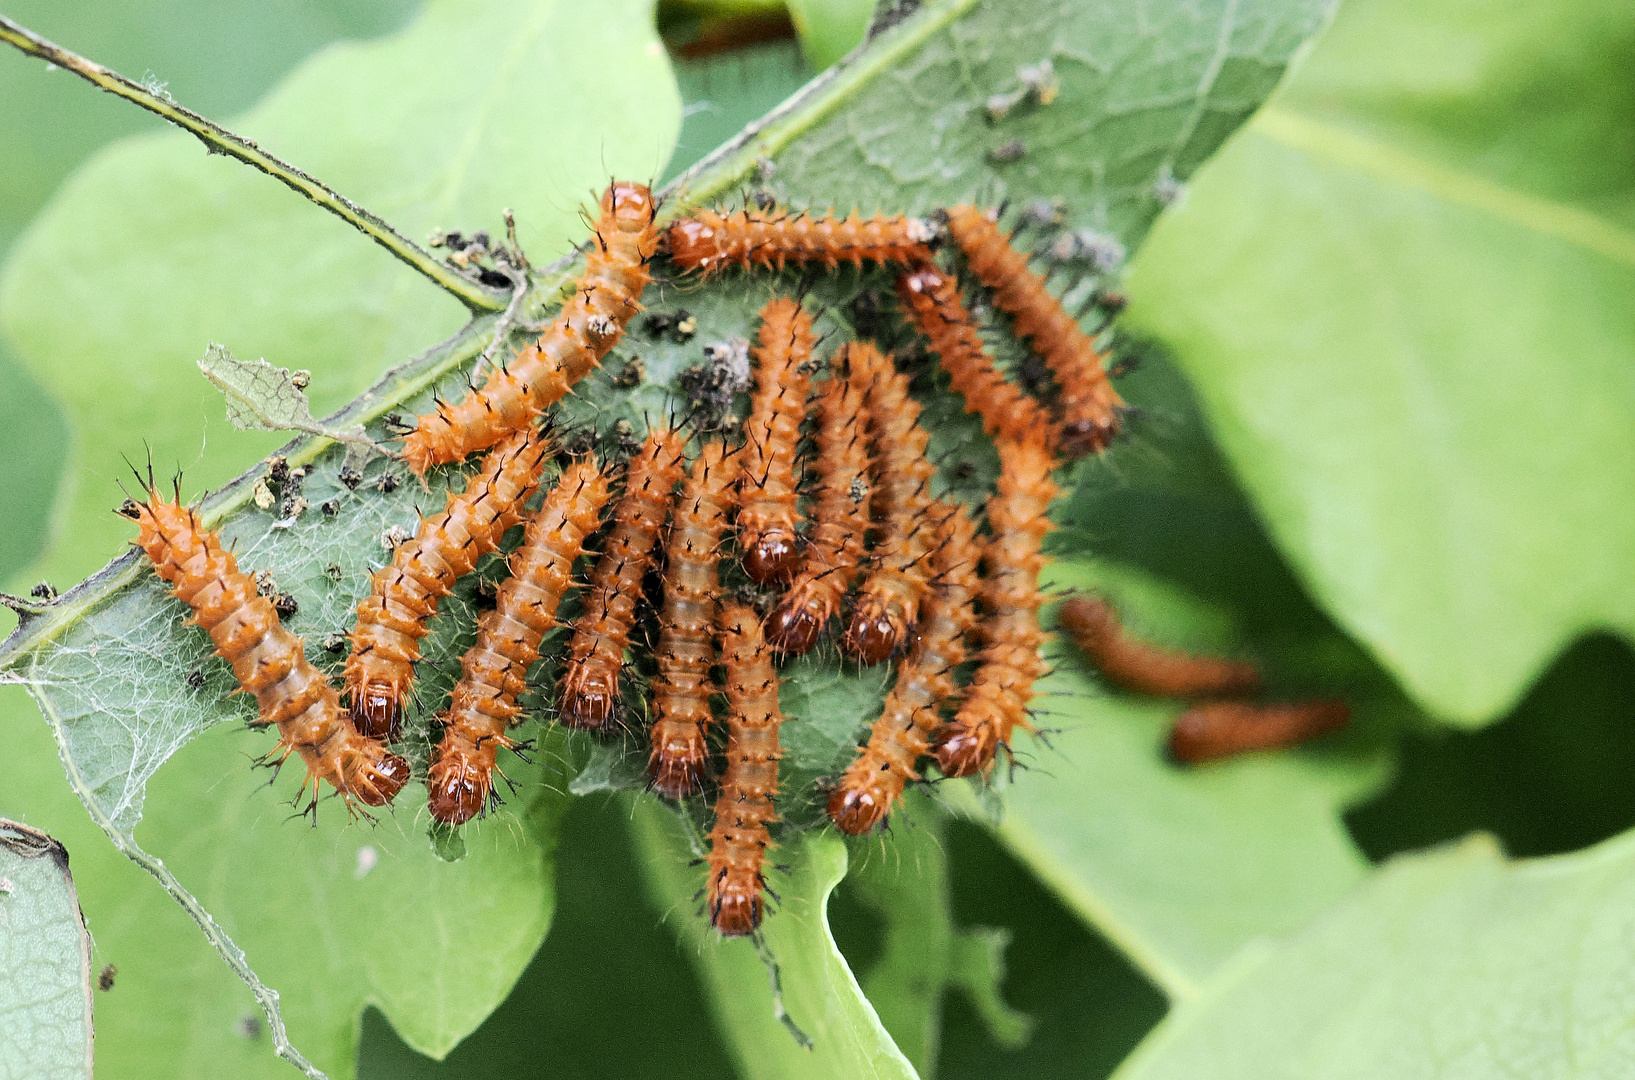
(767, 513)
(681, 692)
(590, 685)
(495, 669)
(709, 241)
(589, 324)
(889, 599)
(1089, 405)
(932, 299)
(404, 593)
(1222, 729)
(739, 840)
(840, 513)
(268, 660)
(996, 701)
(1092, 623)
(909, 717)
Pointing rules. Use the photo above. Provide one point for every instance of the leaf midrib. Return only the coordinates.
(1401, 169)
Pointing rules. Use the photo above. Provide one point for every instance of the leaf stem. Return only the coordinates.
(218, 140)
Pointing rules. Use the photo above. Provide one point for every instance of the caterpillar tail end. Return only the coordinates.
(735, 904)
(858, 810)
(457, 790)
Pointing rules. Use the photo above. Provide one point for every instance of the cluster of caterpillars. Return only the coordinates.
(910, 578)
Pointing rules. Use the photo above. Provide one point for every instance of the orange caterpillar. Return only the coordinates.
(997, 699)
(932, 298)
(267, 660)
(767, 514)
(590, 685)
(589, 324)
(681, 692)
(709, 241)
(495, 670)
(840, 513)
(1223, 729)
(886, 605)
(1128, 662)
(925, 679)
(1089, 404)
(404, 593)
(739, 841)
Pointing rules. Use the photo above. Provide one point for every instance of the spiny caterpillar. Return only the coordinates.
(767, 514)
(404, 593)
(590, 685)
(1089, 405)
(709, 241)
(997, 699)
(840, 512)
(932, 299)
(739, 840)
(888, 601)
(925, 680)
(1140, 666)
(590, 323)
(686, 650)
(495, 669)
(1223, 729)
(1208, 731)
(267, 660)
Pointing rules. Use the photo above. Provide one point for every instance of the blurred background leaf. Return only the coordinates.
(219, 57)
(1406, 295)
(1449, 963)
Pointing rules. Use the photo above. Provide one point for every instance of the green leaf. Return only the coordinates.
(829, 29)
(903, 127)
(1404, 295)
(1453, 963)
(45, 960)
(922, 955)
(819, 994)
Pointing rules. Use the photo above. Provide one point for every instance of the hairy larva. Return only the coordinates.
(495, 669)
(590, 685)
(909, 717)
(1089, 405)
(404, 593)
(749, 785)
(888, 601)
(1223, 729)
(996, 701)
(840, 512)
(932, 299)
(709, 241)
(767, 514)
(590, 323)
(267, 660)
(686, 649)
(1092, 623)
